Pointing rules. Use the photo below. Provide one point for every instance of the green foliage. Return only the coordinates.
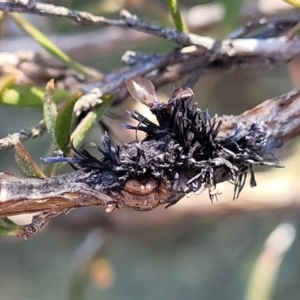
(176, 16)
(26, 163)
(295, 3)
(232, 8)
(91, 118)
(6, 81)
(32, 31)
(50, 109)
(63, 124)
(28, 96)
(8, 227)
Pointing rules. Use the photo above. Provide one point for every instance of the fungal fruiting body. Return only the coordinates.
(182, 155)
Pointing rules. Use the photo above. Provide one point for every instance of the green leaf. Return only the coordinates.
(176, 16)
(79, 284)
(82, 130)
(26, 163)
(8, 227)
(63, 124)
(295, 3)
(50, 109)
(52, 48)
(79, 134)
(26, 96)
(6, 81)
(232, 10)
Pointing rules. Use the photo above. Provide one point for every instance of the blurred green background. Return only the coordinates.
(179, 253)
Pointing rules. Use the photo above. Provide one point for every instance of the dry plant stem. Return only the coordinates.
(23, 135)
(225, 55)
(80, 45)
(127, 21)
(197, 16)
(281, 116)
(228, 47)
(179, 62)
(33, 68)
(36, 69)
(56, 195)
(155, 62)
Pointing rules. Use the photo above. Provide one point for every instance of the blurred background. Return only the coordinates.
(242, 249)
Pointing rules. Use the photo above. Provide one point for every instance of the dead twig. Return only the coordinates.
(127, 21)
(207, 54)
(25, 134)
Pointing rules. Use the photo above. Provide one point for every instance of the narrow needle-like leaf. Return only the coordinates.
(295, 3)
(63, 124)
(176, 16)
(51, 47)
(50, 109)
(6, 81)
(26, 163)
(8, 227)
(81, 131)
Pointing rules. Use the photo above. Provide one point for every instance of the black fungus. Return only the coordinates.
(184, 148)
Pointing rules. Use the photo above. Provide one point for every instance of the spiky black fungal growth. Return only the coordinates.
(184, 149)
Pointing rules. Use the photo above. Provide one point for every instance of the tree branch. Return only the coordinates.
(207, 54)
(280, 122)
(23, 135)
(281, 116)
(127, 21)
(187, 153)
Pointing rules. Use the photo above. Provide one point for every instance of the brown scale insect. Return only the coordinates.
(137, 195)
(142, 197)
(136, 188)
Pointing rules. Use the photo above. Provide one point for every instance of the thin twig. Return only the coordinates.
(127, 21)
(280, 116)
(209, 55)
(23, 135)
(132, 22)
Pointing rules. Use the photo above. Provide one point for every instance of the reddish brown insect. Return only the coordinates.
(138, 196)
(135, 187)
(183, 93)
